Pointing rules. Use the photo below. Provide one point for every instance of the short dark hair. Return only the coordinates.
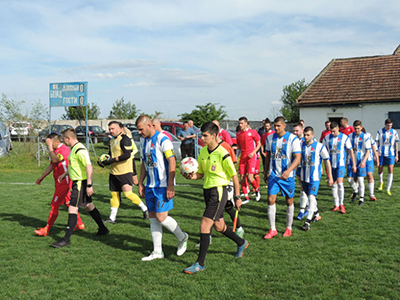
(69, 132)
(326, 122)
(54, 136)
(308, 129)
(117, 123)
(357, 123)
(210, 127)
(268, 121)
(388, 121)
(243, 119)
(280, 119)
(334, 124)
(298, 124)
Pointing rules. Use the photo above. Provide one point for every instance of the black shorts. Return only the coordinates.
(79, 198)
(134, 167)
(215, 199)
(117, 181)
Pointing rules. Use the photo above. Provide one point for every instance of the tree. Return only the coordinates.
(123, 110)
(79, 112)
(10, 110)
(206, 113)
(39, 112)
(291, 92)
(156, 114)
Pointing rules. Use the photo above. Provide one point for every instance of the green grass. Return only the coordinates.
(350, 256)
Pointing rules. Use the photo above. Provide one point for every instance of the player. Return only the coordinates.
(338, 144)
(59, 164)
(157, 126)
(283, 157)
(312, 154)
(268, 131)
(248, 142)
(217, 168)
(345, 128)
(326, 131)
(361, 147)
(80, 172)
(387, 140)
(223, 134)
(121, 171)
(373, 157)
(158, 166)
(298, 130)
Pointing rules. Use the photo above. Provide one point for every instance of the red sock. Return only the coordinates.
(254, 184)
(258, 181)
(53, 215)
(244, 187)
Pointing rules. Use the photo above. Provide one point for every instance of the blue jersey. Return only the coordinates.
(282, 150)
(385, 141)
(337, 147)
(361, 143)
(311, 159)
(152, 153)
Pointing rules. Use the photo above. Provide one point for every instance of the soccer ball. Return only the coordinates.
(188, 165)
(103, 157)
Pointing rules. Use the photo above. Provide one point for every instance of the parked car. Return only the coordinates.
(57, 128)
(22, 129)
(175, 127)
(5, 140)
(233, 137)
(96, 133)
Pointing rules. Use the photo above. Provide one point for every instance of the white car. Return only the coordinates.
(21, 128)
(5, 139)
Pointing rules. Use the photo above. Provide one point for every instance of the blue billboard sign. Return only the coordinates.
(68, 94)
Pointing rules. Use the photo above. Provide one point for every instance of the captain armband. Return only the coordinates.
(169, 153)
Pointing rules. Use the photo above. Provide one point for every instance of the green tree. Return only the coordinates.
(10, 110)
(156, 114)
(38, 113)
(291, 92)
(79, 112)
(205, 113)
(123, 110)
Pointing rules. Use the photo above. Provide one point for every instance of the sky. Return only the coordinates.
(170, 56)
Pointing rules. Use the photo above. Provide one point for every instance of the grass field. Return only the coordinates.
(350, 256)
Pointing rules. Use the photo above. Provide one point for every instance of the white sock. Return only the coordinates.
(156, 234)
(361, 187)
(312, 206)
(390, 181)
(341, 193)
(289, 216)
(173, 226)
(303, 201)
(271, 216)
(335, 194)
(142, 206)
(113, 214)
(371, 188)
(381, 178)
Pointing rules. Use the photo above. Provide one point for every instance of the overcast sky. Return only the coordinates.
(172, 55)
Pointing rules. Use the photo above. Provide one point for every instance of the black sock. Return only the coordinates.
(97, 218)
(233, 236)
(232, 212)
(72, 219)
(204, 243)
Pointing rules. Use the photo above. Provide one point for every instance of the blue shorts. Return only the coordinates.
(156, 199)
(386, 160)
(338, 173)
(370, 166)
(361, 172)
(298, 171)
(310, 188)
(275, 184)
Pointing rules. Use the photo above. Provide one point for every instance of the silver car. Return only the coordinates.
(5, 139)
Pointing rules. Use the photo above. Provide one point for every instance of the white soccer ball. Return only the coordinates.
(189, 165)
(103, 157)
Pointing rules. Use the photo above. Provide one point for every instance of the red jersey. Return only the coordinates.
(264, 137)
(225, 136)
(230, 151)
(349, 129)
(324, 134)
(167, 134)
(247, 141)
(61, 167)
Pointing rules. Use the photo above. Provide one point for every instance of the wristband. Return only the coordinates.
(236, 198)
(89, 185)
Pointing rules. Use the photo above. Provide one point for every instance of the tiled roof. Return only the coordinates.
(355, 81)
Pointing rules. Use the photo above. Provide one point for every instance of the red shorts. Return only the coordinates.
(62, 194)
(247, 165)
(257, 166)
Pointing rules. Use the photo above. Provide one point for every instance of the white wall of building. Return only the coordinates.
(372, 116)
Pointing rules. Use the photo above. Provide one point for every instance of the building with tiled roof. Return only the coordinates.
(363, 88)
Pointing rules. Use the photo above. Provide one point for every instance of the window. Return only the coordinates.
(395, 116)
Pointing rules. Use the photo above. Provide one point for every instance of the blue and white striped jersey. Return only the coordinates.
(361, 143)
(311, 159)
(385, 141)
(282, 150)
(337, 147)
(152, 154)
(371, 153)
